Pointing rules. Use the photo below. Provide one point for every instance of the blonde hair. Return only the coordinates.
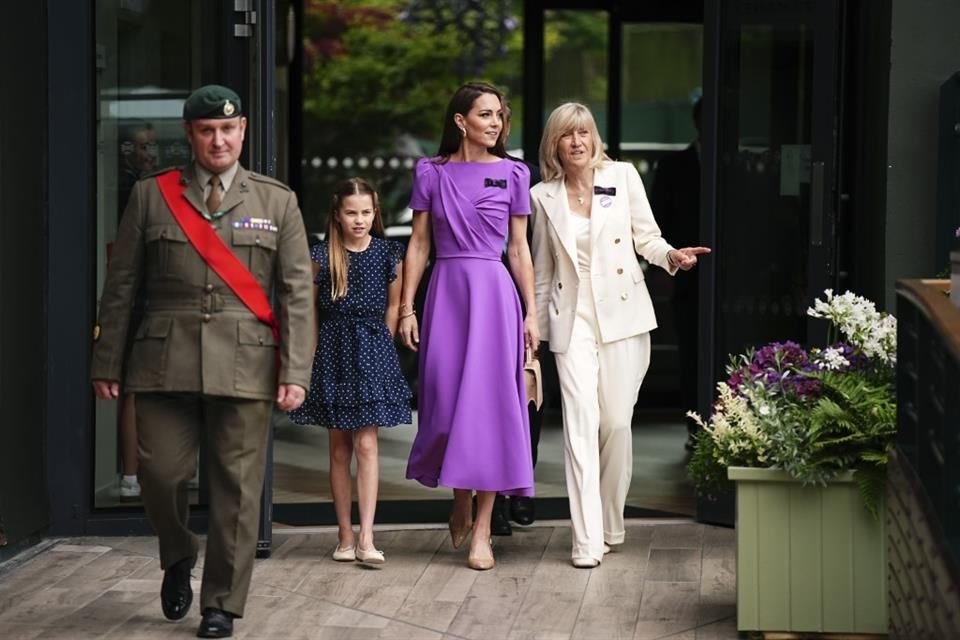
(570, 116)
(336, 252)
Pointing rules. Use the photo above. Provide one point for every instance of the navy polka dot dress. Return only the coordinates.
(356, 378)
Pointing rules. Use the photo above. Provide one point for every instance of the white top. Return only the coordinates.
(581, 227)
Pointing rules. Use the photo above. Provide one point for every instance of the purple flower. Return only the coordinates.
(779, 367)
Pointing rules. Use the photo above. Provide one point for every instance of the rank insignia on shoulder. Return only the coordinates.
(96, 332)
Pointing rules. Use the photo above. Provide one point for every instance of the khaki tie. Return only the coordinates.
(213, 199)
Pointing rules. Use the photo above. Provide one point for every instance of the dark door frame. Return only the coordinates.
(65, 400)
(826, 119)
(620, 12)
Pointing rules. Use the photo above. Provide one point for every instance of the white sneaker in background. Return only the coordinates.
(129, 487)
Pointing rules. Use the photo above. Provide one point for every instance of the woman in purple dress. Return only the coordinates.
(472, 427)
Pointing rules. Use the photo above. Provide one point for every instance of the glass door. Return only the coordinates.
(366, 85)
(770, 176)
(149, 56)
(638, 67)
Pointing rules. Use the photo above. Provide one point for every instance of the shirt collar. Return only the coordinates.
(226, 178)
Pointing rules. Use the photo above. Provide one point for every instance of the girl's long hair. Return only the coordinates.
(461, 102)
(338, 259)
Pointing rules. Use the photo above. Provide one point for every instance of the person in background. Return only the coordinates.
(207, 247)
(469, 200)
(590, 219)
(356, 386)
(138, 158)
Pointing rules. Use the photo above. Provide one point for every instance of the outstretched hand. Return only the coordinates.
(686, 258)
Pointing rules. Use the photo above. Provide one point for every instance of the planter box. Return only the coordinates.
(809, 559)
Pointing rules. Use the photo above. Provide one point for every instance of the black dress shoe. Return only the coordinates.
(176, 595)
(521, 510)
(499, 525)
(215, 624)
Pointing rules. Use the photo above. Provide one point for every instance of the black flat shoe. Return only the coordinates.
(522, 510)
(499, 525)
(215, 624)
(176, 595)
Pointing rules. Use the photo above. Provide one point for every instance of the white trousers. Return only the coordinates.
(599, 385)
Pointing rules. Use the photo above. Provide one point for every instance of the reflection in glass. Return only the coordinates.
(662, 65)
(376, 80)
(765, 138)
(575, 61)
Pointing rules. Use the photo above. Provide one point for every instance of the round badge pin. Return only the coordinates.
(228, 108)
(606, 201)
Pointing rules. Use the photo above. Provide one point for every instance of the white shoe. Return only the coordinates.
(345, 554)
(128, 489)
(370, 556)
(606, 548)
(585, 563)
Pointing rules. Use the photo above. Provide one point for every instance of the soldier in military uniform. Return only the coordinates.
(204, 366)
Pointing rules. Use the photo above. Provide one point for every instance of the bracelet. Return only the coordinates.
(407, 315)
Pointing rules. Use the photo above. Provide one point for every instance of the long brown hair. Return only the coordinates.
(461, 102)
(336, 252)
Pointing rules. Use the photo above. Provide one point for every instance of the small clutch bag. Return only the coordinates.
(533, 378)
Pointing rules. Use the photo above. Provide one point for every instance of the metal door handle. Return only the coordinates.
(816, 203)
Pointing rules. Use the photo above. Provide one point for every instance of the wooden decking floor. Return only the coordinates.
(670, 579)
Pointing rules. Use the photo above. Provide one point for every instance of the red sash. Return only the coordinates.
(215, 252)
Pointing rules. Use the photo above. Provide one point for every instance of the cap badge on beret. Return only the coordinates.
(228, 108)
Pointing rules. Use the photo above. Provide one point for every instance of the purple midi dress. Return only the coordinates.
(473, 428)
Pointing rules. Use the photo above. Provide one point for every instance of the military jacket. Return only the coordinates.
(195, 334)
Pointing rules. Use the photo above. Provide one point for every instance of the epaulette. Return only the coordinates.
(259, 177)
(160, 172)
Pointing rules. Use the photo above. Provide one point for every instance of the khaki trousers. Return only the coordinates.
(170, 428)
(599, 385)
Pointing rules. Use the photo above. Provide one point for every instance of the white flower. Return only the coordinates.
(869, 331)
(832, 359)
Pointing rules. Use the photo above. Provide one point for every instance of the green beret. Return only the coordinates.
(212, 101)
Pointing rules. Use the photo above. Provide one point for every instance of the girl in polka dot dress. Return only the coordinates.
(357, 385)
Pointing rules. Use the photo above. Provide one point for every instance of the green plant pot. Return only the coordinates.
(809, 558)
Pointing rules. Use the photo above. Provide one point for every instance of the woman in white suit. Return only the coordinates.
(590, 219)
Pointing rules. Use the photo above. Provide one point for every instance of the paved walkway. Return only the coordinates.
(671, 579)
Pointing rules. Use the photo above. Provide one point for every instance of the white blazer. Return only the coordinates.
(621, 224)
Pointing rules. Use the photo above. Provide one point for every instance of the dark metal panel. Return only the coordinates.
(262, 152)
(533, 54)
(614, 84)
(70, 264)
(23, 486)
(722, 510)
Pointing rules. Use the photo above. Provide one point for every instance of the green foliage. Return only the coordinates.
(814, 415)
(709, 477)
(849, 427)
(373, 77)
